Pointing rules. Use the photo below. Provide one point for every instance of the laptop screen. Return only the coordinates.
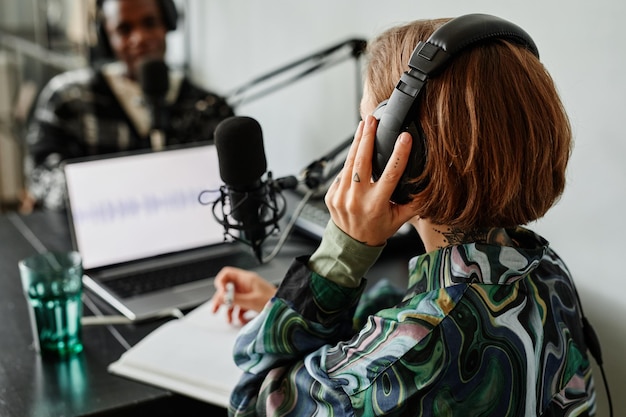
(136, 206)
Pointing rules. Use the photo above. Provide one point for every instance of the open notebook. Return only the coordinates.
(191, 356)
(148, 245)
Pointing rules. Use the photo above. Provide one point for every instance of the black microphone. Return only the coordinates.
(155, 82)
(248, 204)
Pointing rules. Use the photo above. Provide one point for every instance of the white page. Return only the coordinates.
(191, 356)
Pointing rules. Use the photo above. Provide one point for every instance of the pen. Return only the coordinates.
(229, 297)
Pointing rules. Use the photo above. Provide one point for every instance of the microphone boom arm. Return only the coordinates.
(313, 62)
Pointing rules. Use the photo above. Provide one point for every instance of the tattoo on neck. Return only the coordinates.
(455, 236)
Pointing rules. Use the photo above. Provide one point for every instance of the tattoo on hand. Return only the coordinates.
(356, 177)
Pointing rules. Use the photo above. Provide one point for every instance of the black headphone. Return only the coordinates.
(398, 113)
(169, 14)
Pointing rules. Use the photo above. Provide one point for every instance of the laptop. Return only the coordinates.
(147, 243)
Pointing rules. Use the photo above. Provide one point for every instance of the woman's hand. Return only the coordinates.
(362, 208)
(251, 292)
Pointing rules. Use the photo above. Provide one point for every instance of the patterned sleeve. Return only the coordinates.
(54, 134)
(301, 356)
(57, 125)
(282, 351)
(308, 313)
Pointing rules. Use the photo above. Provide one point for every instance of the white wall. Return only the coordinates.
(581, 44)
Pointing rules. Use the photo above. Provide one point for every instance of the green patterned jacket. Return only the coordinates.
(482, 330)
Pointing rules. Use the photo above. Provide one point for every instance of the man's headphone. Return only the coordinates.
(399, 113)
(169, 14)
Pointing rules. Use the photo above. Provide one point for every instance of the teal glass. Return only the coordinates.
(52, 283)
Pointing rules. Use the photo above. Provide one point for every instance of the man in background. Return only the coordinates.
(104, 109)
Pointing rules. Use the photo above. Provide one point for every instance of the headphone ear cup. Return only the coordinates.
(169, 14)
(414, 168)
(384, 144)
(417, 160)
(382, 149)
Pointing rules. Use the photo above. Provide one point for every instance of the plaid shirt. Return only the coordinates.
(78, 114)
(482, 330)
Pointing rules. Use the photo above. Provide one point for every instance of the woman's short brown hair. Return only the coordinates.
(497, 136)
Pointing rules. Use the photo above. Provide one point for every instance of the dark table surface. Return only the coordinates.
(31, 386)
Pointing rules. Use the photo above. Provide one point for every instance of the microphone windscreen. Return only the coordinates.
(240, 151)
(154, 78)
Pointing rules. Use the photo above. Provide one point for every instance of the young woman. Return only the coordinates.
(489, 324)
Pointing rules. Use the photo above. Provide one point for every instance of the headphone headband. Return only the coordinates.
(465, 31)
(169, 13)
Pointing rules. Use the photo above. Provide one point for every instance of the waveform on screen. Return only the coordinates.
(149, 204)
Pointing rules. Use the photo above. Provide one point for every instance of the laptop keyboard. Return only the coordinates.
(159, 279)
